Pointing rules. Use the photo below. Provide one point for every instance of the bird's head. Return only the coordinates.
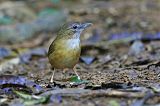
(72, 30)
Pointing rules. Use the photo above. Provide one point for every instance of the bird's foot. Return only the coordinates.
(52, 77)
(78, 77)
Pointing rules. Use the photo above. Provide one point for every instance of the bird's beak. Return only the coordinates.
(85, 25)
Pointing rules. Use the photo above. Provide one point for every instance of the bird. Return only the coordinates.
(64, 52)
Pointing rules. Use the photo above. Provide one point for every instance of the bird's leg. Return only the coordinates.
(75, 71)
(52, 77)
(64, 73)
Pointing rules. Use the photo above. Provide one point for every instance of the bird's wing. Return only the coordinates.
(56, 44)
(51, 48)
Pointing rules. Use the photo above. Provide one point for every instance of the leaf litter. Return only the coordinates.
(115, 69)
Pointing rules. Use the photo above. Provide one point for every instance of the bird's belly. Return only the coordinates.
(65, 58)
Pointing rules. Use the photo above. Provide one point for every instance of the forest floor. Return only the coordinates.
(120, 58)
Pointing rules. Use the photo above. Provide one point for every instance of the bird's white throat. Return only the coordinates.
(73, 43)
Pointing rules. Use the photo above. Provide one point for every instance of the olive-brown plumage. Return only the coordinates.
(63, 56)
(64, 52)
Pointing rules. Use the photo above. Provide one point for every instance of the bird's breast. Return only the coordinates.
(66, 54)
(72, 43)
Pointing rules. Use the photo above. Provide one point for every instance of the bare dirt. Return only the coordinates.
(113, 67)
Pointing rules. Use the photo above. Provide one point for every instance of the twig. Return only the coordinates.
(72, 92)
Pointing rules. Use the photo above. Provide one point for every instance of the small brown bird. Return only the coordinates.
(64, 52)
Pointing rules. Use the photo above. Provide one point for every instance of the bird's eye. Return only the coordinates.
(75, 27)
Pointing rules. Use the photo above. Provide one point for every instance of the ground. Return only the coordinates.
(123, 71)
